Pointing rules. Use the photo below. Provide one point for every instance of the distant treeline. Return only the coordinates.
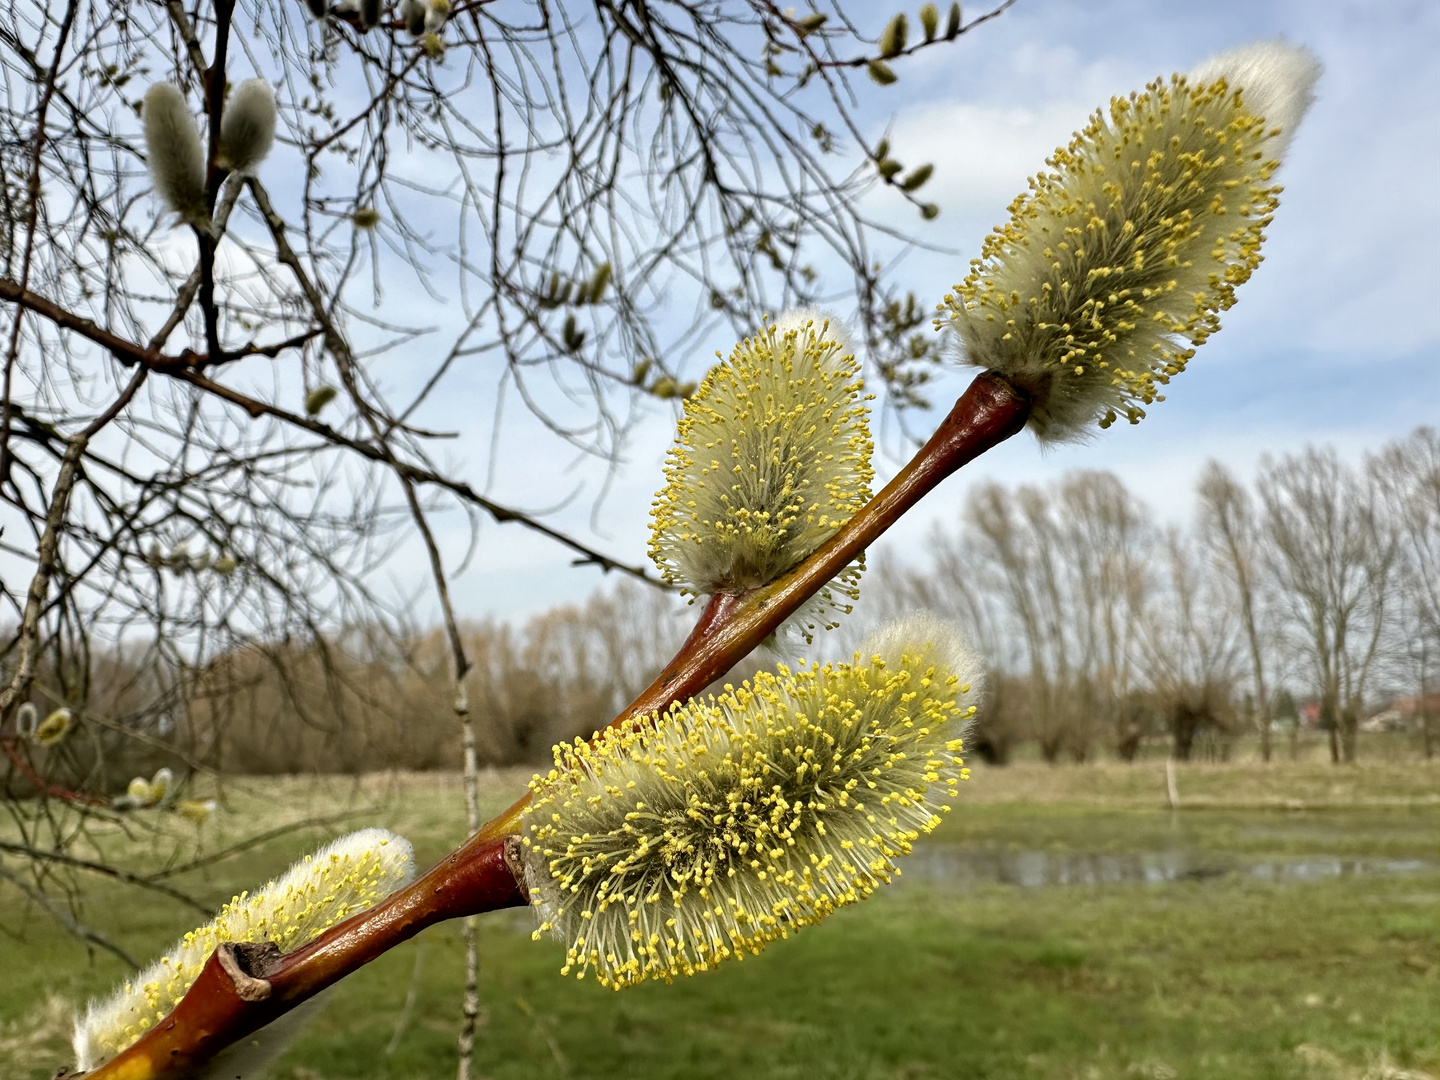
(1308, 599)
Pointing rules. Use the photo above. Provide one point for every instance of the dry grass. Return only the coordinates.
(1244, 785)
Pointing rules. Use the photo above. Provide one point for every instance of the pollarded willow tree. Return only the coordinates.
(691, 829)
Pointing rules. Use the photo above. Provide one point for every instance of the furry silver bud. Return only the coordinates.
(247, 127)
(177, 161)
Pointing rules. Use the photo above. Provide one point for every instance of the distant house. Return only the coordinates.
(1417, 706)
(1387, 720)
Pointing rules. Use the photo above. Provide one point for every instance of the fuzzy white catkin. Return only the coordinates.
(247, 126)
(826, 326)
(177, 161)
(348, 876)
(1276, 81)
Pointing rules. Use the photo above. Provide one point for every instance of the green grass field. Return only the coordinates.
(1296, 937)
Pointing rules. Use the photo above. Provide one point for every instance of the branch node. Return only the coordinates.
(243, 961)
(515, 863)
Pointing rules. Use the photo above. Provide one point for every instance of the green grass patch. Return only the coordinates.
(1223, 977)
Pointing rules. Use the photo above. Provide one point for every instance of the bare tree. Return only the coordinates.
(1062, 576)
(1406, 474)
(1189, 648)
(1331, 557)
(1230, 533)
(1107, 546)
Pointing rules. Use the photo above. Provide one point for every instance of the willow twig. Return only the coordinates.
(228, 1001)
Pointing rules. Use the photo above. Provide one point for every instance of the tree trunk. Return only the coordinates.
(1183, 722)
(1349, 728)
(1330, 721)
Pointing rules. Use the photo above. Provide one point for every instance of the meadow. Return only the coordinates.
(1063, 924)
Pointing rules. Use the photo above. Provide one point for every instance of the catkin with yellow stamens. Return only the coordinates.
(53, 729)
(771, 457)
(1115, 267)
(661, 849)
(349, 875)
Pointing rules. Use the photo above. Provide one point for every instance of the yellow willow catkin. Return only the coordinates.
(176, 159)
(347, 876)
(1115, 267)
(771, 456)
(661, 849)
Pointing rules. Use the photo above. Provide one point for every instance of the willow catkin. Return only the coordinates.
(247, 126)
(771, 457)
(663, 848)
(176, 159)
(1114, 268)
(414, 13)
(349, 875)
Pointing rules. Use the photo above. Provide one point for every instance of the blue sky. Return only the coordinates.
(1333, 341)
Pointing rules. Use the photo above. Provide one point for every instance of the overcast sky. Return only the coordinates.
(1333, 341)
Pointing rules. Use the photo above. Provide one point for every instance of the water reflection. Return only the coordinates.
(965, 868)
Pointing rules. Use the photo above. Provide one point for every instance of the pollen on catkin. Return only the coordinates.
(1114, 268)
(247, 126)
(176, 159)
(662, 848)
(53, 729)
(771, 457)
(349, 875)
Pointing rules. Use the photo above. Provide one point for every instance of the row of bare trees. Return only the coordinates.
(1319, 583)
(370, 697)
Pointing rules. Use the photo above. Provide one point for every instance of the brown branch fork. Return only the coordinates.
(243, 987)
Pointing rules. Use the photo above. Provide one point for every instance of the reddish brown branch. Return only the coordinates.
(479, 876)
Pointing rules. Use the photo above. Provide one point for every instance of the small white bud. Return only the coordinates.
(161, 783)
(196, 810)
(247, 129)
(139, 792)
(318, 398)
(26, 718)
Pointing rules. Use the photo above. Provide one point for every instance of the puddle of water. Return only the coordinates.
(965, 868)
